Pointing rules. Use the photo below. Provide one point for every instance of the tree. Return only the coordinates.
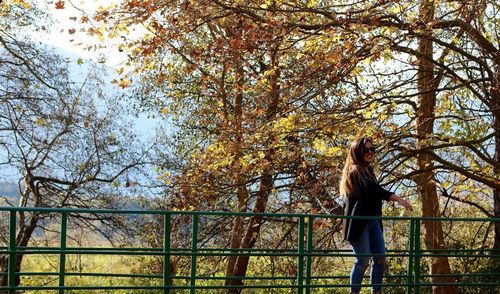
(412, 28)
(66, 142)
(321, 60)
(243, 93)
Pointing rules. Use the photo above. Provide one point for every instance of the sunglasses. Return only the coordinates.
(369, 149)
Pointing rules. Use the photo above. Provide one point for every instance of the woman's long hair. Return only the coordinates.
(356, 171)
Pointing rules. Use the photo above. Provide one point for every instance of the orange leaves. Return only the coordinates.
(150, 46)
(234, 43)
(134, 3)
(321, 223)
(59, 4)
(227, 75)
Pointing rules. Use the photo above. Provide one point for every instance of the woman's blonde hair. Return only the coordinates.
(356, 171)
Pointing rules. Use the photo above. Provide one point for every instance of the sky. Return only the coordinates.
(73, 46)
(76, 44)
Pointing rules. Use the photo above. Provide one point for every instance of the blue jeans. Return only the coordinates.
(370, 242)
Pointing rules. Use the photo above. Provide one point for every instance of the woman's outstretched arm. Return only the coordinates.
(401, 201)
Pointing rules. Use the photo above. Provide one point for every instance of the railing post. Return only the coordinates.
(300, 257)
(309, 253)
(166, 253)
(12, 252)
(194, 244)
(62, 253)
(411, 247)
(417, 257)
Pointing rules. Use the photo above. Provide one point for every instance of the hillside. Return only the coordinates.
(10, 191)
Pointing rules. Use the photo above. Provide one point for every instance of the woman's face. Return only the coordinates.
(368, 152)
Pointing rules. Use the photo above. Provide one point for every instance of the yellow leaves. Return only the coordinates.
(286, 124)
(100, 33)
(40, 121)
(266, 4)
(261, 154)
(122, 26)
(25, 4)
(123, 82)
(112, 137)
(396, 9)
(165, 177)
(79, 61)
(165, 111)
(399, 8)
(218, 156)
(311, 3)
(453, 140)
(387, 55)
(246, 161)
(22, 3)
(321, 146)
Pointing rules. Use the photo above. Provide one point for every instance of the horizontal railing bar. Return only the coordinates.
(239, 252)
(185, 277)
(459, 284)
(460, 275)
(88, 274)
(453, 255)
(145, 249)
(185, 249)
(117, 252)
(223, 213)
(236, 277)
(83, 249)
(290, 254)
(201, 287)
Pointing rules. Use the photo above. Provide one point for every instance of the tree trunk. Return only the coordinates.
(252, 231)
(496, 192)
(236, 232)
(242, 192)
(427, 189)
(266, 183)
(4, 261)
(22, 239)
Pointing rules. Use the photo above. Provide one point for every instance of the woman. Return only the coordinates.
(364, 198)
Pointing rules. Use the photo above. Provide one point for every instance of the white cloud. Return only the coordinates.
(68, 32)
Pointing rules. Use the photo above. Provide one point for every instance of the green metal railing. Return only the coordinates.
(301, 280)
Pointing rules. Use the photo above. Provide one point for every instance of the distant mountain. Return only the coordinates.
(9, 190)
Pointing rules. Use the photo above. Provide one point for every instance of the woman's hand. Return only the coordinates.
(405, 204)
(401, 202)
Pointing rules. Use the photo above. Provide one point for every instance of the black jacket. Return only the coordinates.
(366, 202)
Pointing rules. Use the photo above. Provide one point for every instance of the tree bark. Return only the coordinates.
(266, 182)
(496, 192)
(22, 239)
(240, 182)
(427, 189)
